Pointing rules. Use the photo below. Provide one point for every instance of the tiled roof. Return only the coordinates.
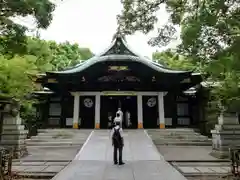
(118, 51)
(116, 57)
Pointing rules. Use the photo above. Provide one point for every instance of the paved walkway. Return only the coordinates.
(143, 161)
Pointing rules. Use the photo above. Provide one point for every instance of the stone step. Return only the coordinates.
(22, 132)
(32, 175)
(37, 139)
(35, 146)
(174, 133)
(13, 136)
(182, 140)
(30, 162)
(226, 132)
(12, 142)
(12, 127)
(64, 130)
(176, 140)
(176, 130)
(231, 127)
(55, 135)
(230, 143)
(57, 139)
(29, 143)
(182, 143)
(230, 137)
(179, 137)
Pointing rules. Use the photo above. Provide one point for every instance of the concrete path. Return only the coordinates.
(143, 161)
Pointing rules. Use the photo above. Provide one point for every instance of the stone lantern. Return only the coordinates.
(12, 131)
(226, 133)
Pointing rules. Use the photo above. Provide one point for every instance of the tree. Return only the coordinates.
(13, 37)
(210, 35)
(207, 27)
(49, 55)
(40, 51)
(40, 56)
(174, 60)
(67, 55)
(225, 71)
(14, 79)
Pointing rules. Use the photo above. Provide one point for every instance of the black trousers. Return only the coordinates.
(119, 150)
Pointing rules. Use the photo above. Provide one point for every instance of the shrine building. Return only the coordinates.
(85, 96)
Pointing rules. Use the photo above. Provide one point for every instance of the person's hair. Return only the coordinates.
(118, 114)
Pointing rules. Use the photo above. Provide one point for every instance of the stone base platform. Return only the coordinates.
(143, 161)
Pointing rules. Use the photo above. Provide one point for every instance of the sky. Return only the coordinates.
(92, 24)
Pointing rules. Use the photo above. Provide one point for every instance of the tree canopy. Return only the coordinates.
(13, 36)
(209, 33)
(207, 27)
(14, 78)
(173, 60)
(67, 55)
(39, 56)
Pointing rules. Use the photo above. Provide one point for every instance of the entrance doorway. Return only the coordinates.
(110, 105)
(87, 112)
(150, 112)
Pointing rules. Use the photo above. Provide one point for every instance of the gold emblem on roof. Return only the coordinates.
(52, 80)
(118, 68)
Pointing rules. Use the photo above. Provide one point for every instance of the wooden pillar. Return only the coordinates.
(161, 110)
(140, 111)
(76, 110)
(46, 110)
(62, 118)
(97, 111)
(175, 113)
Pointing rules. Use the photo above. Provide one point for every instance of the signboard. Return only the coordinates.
(52, 81)
(119, 93)
(118, 68)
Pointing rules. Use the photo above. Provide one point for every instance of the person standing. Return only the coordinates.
(117, 143)
(110, 122)
(118, 119)
(128, 119)
(119, 116)
(120, 113)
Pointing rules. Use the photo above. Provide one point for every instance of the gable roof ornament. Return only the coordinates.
(119, 46)
(119, 34)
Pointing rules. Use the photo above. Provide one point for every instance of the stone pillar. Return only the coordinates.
(13, 133)
(97, 111)
(161, 115)
(225, 135)
(140, 111)
(76, 110)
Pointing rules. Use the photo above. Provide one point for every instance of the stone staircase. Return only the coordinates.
(49, 152)
(178, 137)
(58, 137)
